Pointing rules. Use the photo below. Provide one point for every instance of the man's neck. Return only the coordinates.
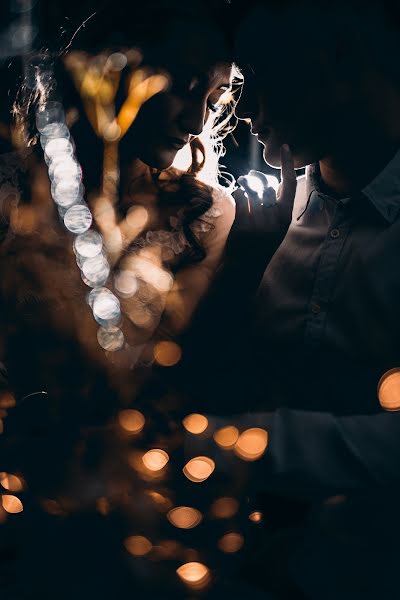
(346, 173)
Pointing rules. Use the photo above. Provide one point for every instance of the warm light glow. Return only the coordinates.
(131, 420)
(155, 460)
(231, 542)
(224, 508)
(194, 573)
(256, 516)
(163, 503)
(184, 517)
(7, 400)
(227, 436)
(138, 545)
(199, 469)
(195, 423)
(11, 482)
(12, 504)
(389, 390)
(167, 354)
(251, 444)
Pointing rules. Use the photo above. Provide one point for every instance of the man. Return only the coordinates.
(324, 79)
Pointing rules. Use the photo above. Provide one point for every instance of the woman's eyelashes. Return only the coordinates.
(214, 100)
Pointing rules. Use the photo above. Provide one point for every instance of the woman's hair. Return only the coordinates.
(144, 27)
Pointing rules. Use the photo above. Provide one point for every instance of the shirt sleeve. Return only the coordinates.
(313, 455)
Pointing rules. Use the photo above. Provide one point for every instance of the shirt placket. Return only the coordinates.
(326, 276)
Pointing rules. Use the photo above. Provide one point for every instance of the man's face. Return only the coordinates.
(289, 94)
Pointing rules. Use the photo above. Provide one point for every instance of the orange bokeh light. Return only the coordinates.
(195, 423)
(131, 420)
(167, 354)
(194, 574)
(12, 504)
(256, 516)
(231, 542)
(11, 482)
(389, 390)
(184, 517)
(252, 444)
(199, 469)
(138, 545)
(227, 436)
(224, 508)
(155, 460)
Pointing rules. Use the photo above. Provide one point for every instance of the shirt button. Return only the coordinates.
(315, 308)
(335, 233)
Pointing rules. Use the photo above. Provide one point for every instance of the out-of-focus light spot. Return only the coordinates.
(155, 460)
(106, 307)
(194, 574)
(117, 61)
(224, 508)
(167, 354)
(195, 423)
(12, 504)
(389, 390)
(162, 502)
(110, 339)
(251, 444)
(137, 217)
(7, 400)
(138, 545)
(111, 132)
(184, 517)
(167, 549)
(255, 184)
(231, 542)
(227, 436)
(256, 516)
(126, 283)
(78, 219)
(11, 482)
(1, 426)
(52, 507)
(103, 506)
(131, 420)
(199, 469)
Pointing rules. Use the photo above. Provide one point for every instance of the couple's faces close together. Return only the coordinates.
(290, 93)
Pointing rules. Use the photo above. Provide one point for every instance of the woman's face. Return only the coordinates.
(171, 119)
(194, 60)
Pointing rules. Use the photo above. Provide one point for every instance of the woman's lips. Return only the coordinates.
(263, 134)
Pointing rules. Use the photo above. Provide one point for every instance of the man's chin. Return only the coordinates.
(272, 157)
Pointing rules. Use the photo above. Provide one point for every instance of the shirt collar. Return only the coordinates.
(383, 191)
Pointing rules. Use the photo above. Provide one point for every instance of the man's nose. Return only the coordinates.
(193, 116)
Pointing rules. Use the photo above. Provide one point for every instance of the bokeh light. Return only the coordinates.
(131, 420)
(138, 545)
(194, 574)
(226, 437)
(256, 516)
(167, 354)
(12, 504)
(155, 460)
(224, 508)
(199, 469)
(195, 423)
(184, 517)
(389, 390)
(231, 542)
(251, 444)
(11, 482)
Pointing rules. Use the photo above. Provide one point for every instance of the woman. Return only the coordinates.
(184, 221)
